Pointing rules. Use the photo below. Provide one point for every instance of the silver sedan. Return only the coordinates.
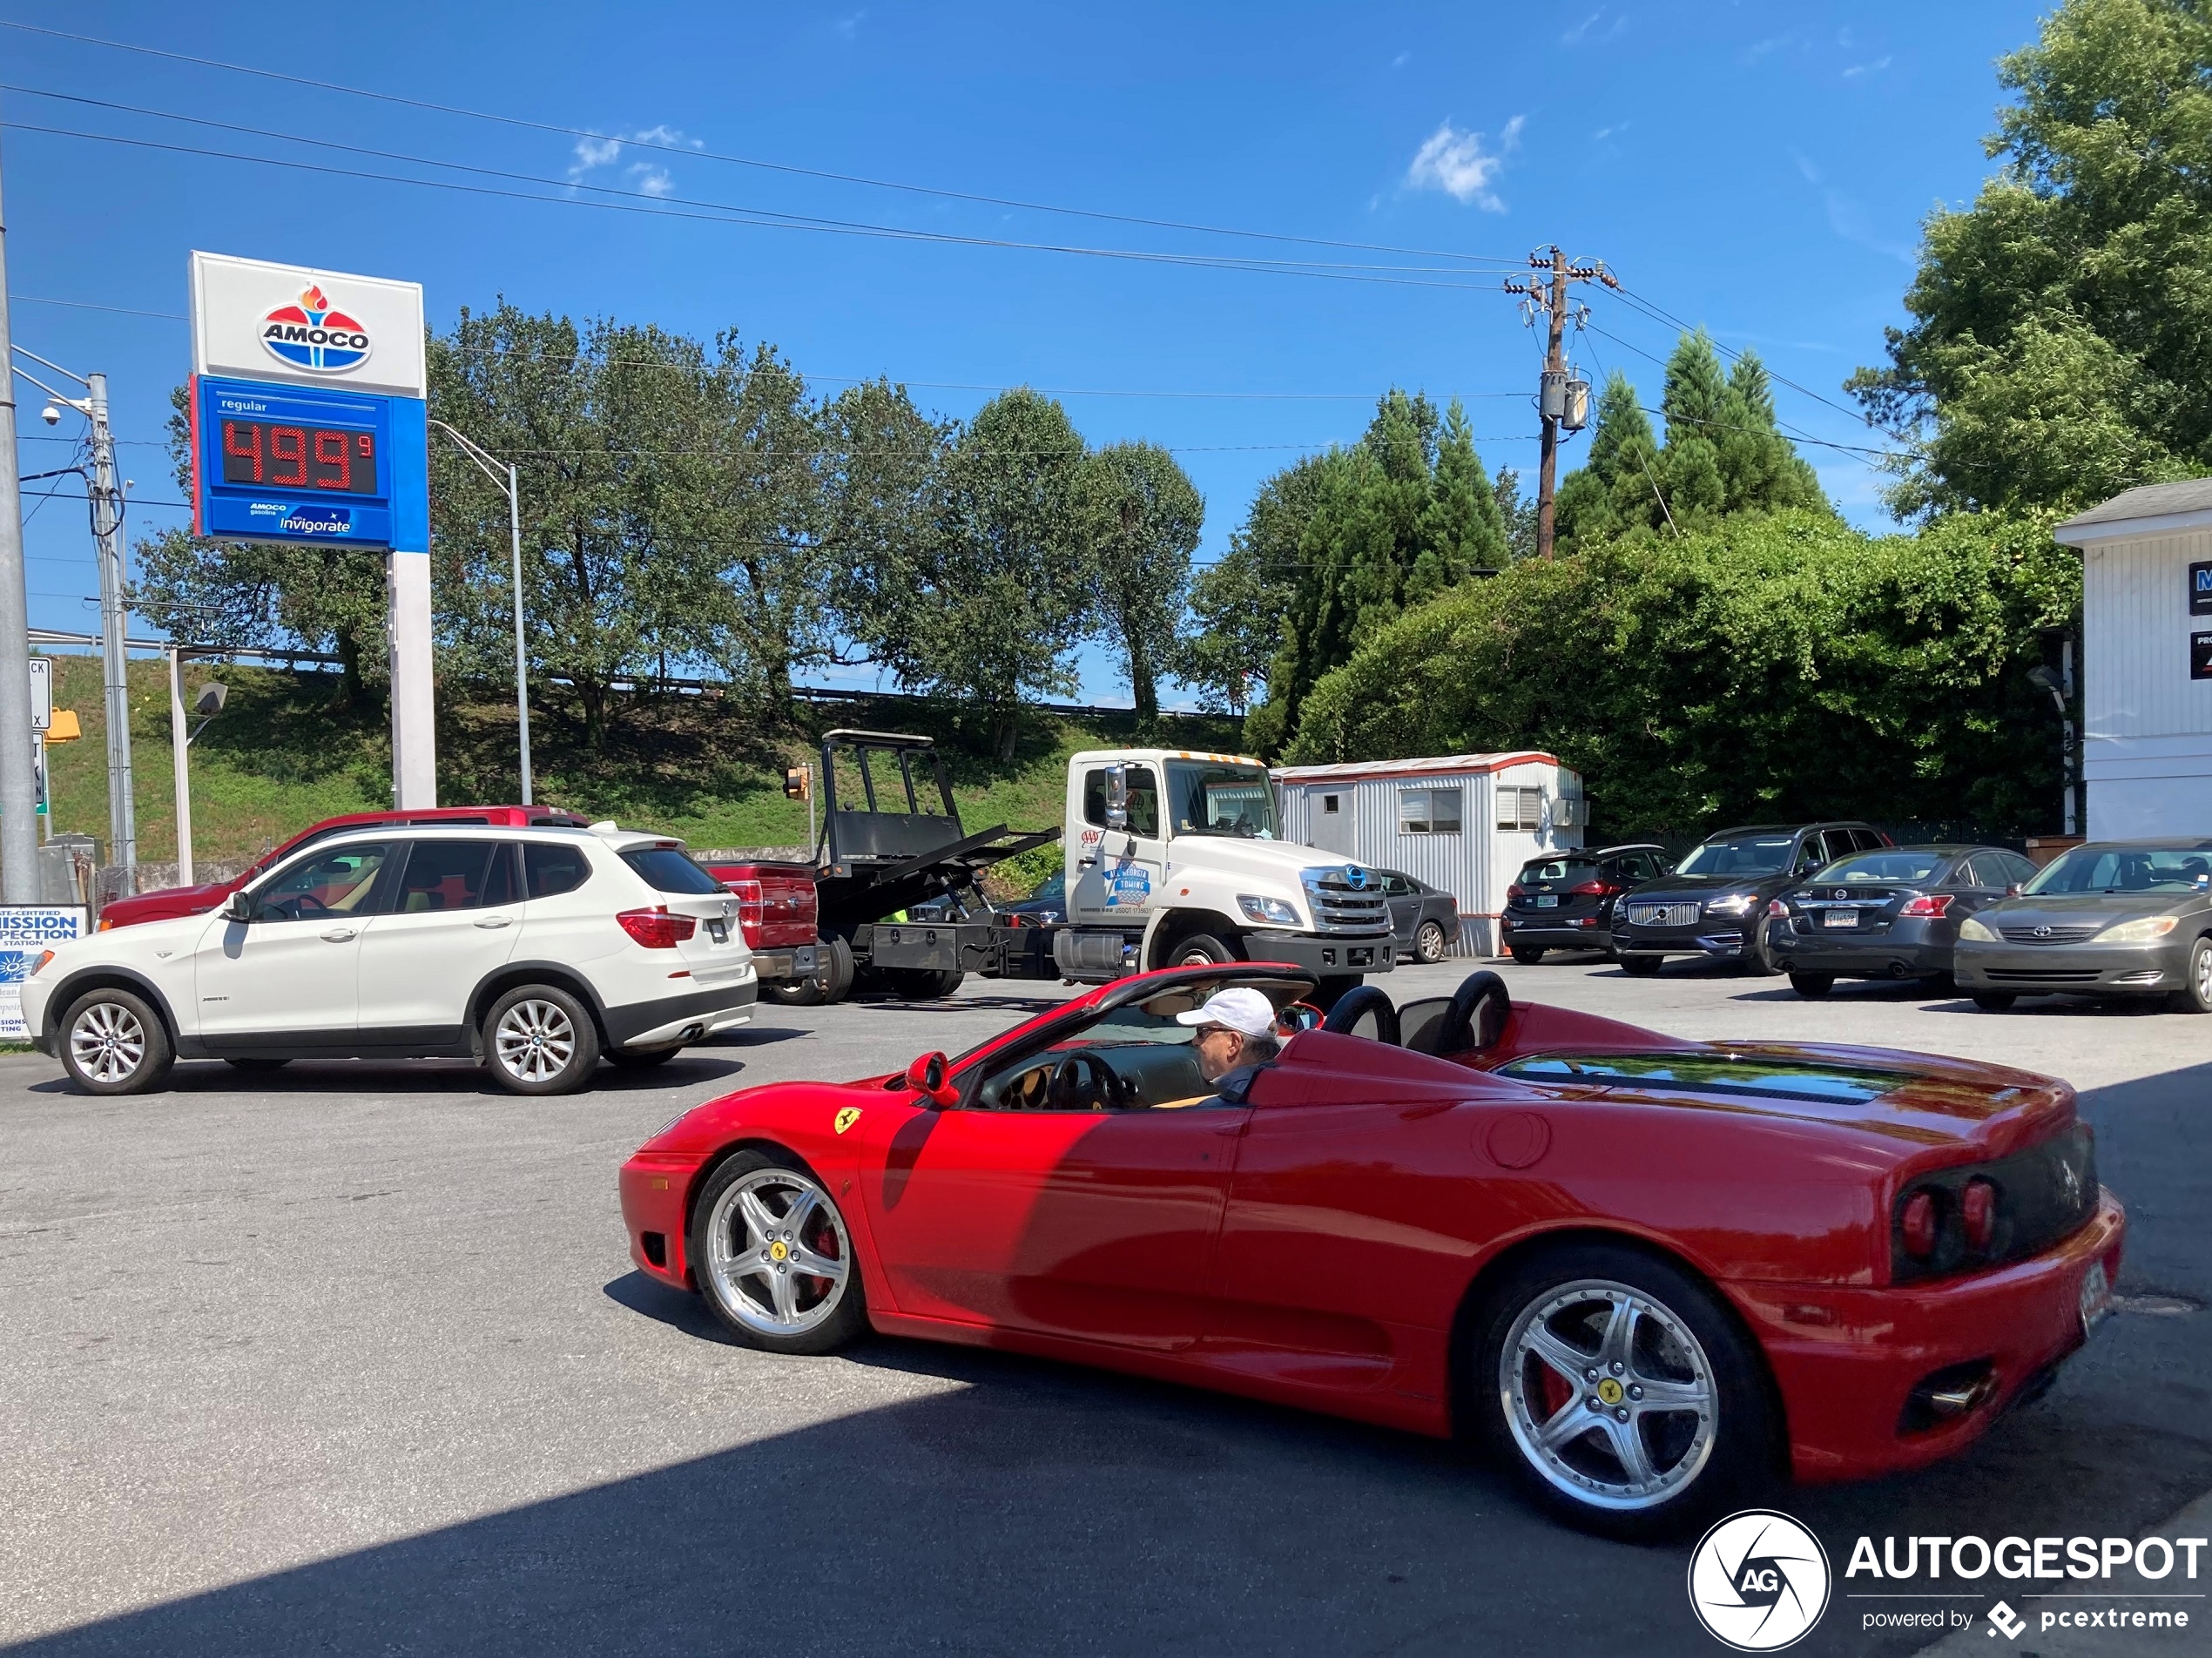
(2113, 918)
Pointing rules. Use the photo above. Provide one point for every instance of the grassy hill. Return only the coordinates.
(283, 754)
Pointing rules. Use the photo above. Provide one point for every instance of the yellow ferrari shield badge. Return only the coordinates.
(846, 1117)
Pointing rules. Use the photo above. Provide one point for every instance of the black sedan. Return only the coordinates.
(1714, 905)
(1047, 907)
(1564, 900)
(1890, 914)
(1426, 921)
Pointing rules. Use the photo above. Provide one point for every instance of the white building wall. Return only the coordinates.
(2147, 737)
(1474, 865)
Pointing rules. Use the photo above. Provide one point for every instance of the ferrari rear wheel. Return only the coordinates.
(771, 1253)
(1620, 1391)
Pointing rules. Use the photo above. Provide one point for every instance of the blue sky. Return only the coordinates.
(1761, 169)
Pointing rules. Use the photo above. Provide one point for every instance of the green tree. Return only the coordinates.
(1615, 488)
(1516, 515)
(1770, 666)
(617, 580)
(1139, 516)
(1238, 601)
(2059, 350)
(1404, 515)
(987, 607)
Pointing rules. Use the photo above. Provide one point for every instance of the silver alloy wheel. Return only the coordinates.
(108, 1042)
(778, 1253)
(1428, 942)
(2203, 965)
(534, 1041)
(1608, 1394)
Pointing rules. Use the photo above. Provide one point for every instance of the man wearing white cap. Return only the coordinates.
(1236, 1037)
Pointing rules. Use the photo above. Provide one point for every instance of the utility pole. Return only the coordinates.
(492, 469)
(18, 787)
(1548, 294)
(115, 661)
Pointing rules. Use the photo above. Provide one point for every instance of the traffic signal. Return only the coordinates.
(798, 783)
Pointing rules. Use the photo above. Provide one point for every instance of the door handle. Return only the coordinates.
(1086, 863)
(496, 921)
(338, 934)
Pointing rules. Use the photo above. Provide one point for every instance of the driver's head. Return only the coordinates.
(1236, 1026)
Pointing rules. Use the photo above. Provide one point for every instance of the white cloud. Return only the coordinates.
(593, 153)
(1457, 163)
(1581, 31)
(1402, 60)
(1605, 132)
(850, 26)
(1874, 68)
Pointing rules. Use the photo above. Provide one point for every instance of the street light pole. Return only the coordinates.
(494, 471)
(18, 788)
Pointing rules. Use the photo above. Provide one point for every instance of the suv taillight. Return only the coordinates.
(1598, 889)
(1516, 890)
(656, 929)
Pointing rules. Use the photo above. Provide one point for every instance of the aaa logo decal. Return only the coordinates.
(846, 1117)
(314, 334)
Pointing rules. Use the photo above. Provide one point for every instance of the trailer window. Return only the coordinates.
(1428, 812)
(1231, 800)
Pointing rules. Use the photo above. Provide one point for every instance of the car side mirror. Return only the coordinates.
(2014, 891)
(1117, 797)
(238, 906)
(927, 1076)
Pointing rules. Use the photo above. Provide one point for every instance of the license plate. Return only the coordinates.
(802, 959)
(2097, 1297)
(718, 931)
(1544, 901)
(1839, 917)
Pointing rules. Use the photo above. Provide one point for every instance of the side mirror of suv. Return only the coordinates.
(238, 906)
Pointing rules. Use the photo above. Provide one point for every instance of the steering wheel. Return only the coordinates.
(1084, 1082)
(1360, 1003)
(1477, 1016)
(304, 899)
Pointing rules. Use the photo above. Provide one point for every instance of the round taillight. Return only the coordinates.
(1919, 1224)
(1977, 1209)
(1778, 910)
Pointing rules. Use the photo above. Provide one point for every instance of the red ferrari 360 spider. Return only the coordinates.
(1651, 1275)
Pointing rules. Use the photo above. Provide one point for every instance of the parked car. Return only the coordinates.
(533, 950)
(167, 901)
(1594, 1250)
(1564, 900)
(1890, 914)
(780, 913)
(1047, 907)
(1714, 902)
(2123, 919)
(1425, 919)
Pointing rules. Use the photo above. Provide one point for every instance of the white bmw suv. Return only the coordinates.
(533, 951)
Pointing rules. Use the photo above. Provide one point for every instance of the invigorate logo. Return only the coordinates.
(1758, 1581)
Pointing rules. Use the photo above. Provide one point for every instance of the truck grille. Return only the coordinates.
(1339, 906)
(1662, 914)
(2049, 935)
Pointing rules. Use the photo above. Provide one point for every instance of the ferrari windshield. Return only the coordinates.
(2126, 869)
(1212, 798)
(1739, 855)
(1699, 1073)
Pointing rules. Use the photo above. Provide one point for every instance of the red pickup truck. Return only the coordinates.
(170, 902)
(781, 920)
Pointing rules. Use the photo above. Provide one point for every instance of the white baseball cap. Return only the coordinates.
(1245, 1011)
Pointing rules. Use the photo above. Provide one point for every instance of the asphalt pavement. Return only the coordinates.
(351, 1358)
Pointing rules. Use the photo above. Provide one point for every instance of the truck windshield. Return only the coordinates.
(1211, 798)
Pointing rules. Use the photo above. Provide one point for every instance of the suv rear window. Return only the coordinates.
(666, 870)
(1558, 869)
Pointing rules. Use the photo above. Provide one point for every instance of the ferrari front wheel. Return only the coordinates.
(773, 1256)
(1620, 1392)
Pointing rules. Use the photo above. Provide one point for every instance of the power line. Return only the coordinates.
(752, 214)
(703, 154)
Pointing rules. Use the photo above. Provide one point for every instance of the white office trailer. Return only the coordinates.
(2147, 660)
(1463, 823)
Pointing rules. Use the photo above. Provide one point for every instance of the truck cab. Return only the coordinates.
(1174, 857)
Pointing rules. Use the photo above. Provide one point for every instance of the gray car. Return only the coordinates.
(2113, 918)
